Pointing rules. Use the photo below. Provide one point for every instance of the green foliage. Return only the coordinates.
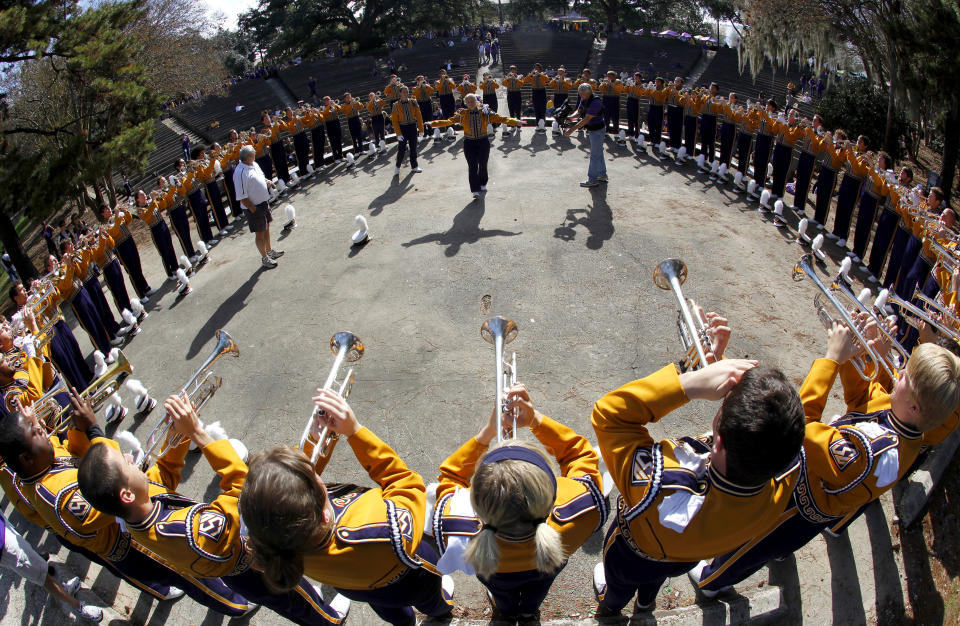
(860, 108)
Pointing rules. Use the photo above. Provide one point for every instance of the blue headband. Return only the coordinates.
(519, 453)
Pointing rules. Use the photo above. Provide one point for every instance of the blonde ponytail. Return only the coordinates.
(513, 498)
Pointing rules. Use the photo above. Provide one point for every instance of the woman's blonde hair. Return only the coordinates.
(934, 374)
(282, 505)
(514, 499)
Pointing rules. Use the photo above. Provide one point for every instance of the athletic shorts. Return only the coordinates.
(258, 221)
(19, 556)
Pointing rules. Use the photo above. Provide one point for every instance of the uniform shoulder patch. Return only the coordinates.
(405, 522)
(78, 506)
(843, 452)
(211, 525)
(642, 468)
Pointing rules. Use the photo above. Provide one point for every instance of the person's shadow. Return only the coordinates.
(465, 229)
(224, 313)
(397, 189)
(597, 218)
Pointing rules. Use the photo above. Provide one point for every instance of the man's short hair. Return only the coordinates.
(937, 192)
(13, 440)
(909, 172)
(584, 88)
(246, 152)
(197, 151)
(761, 426)
(100, 481)
(12, 292)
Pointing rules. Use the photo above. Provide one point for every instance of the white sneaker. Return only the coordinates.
(116, 341)
(268, 263)
(86, 612)
(599, 581)
(116, 415)
(251, 608)
(483, 188)
(476, 194)
(396, 171)
(695, 574)
(446, 583)
(340, 604)
(417, 170)
(175, 593)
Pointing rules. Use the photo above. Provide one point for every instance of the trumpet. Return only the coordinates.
(199, 390)
(46, 332)
(947, 258)
(896, 358)
(500, 331)
(861, 363)
(349, 349)
(694, 335)
(918, 316)
(56, 420)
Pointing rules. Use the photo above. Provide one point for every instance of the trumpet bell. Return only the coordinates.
(349, 341)
(668, 269)
(499, 326)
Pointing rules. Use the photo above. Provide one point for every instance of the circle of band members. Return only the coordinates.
(769, 476)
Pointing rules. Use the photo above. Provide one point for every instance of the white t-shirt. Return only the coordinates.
(250, 182)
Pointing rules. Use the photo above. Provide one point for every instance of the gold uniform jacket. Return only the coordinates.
(579, 508)
(8, 482)
(56, 497)
(377, 531)
(653, 476)
(475, 123)
(202, 539)
(406, 113)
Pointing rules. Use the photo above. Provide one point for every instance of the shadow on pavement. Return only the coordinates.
(465, 229)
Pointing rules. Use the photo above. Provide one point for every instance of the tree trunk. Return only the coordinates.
(13, 247)
(951, 145)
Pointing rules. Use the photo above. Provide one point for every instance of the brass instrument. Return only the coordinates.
(896, 358)
(861, 363)
(947, 258)
(349, 349)
(56, 420)
(198, 390)
(916, 316)
(694, 335)
(500, 331)
(46, 332)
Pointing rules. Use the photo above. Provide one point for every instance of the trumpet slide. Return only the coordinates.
(348, 349)
(199, 389)
(500, 331)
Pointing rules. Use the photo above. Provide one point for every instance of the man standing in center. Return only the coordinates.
(591, 117)
(252, 192)
(475, 122)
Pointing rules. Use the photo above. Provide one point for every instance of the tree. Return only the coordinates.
(78, 108)
(860, 108)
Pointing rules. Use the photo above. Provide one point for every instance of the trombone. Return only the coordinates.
(57, 420)
(349, 349)
(198, 390)
(860, 363)
(917, 316)
(500, 331)
(694, 335)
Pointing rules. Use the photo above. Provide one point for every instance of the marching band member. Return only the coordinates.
(674, 114)
(89, 276)
(831, 159)
(315, 120)
(104, 258)
(787, 135)
(351, 110)
(175, 195)
(513, 83)
(805, 162)
(71, 291)
(708, 122)
(64, 350)
(762, 143)
(47, 477)
(301, 143)
(538, 85)
(331, 123)
(392, 90)
(196, 188)
(875, 190)
(658, 96)
(561, 86)
(126, 250)
(377, 107)
(407, 124)
(197, 539)
(421, 93)
(366, 543)
(689, 498)
(488, 89)
(502, 514)
(728, 130)
(150, 210)
(609, 90)
(466, 87)
(445, 87)
(852, 461)
(857, 168)
(634, 90)
(275, 129)
(475, 122)
(692, 103)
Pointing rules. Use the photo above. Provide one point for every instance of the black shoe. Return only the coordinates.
(604, 611)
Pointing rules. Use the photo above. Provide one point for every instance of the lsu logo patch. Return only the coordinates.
(642, 467)
(843, 453)
(211, 525)
(405, 522)
(78, 507)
